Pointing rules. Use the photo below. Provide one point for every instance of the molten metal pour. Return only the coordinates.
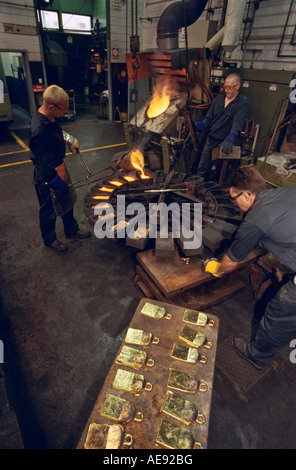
(133, 160)
(159, 103)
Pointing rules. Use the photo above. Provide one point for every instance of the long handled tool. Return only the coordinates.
(84, 163)
(84, 181)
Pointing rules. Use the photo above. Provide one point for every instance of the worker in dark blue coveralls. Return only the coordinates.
(223, 122)
(48, 148)
(270, 222)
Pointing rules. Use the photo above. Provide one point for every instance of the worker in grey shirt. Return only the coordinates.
(270, 222)
(223, 122)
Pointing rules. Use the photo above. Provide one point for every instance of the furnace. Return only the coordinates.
(141, 177)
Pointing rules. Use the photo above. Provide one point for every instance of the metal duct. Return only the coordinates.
(216, 40)
(172, 19)
(233, 25)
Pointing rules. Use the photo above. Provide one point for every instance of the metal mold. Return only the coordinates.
(216, 206)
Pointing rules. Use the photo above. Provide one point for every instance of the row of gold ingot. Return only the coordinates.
(120, 410)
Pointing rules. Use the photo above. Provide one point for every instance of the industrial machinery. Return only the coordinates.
(163, 146)
(162, 133)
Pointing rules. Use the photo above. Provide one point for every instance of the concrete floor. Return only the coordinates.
(64, 316)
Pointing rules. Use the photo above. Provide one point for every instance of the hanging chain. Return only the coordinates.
(137, 63)
(132, 16)
(136, 12)
(135, 49)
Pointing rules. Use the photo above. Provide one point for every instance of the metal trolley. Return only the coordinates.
(71, 113)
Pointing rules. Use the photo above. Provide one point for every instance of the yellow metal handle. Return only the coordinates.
(201, 419)
(150, 363)
(203, 359)
(148, 387)
(128, 440)
(139, 416)
(203, 387)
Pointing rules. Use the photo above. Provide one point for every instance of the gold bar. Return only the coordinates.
(194, 338)
(105, 436)
(154, 311)
(104, 188)
(181, 381)
(185, 382)
(118, 409)
(196, 318)
(179, 408)
(140, 337)
(116, 183)
(185, 353)
(113, 407)
(130, 382)
(176, 437)
(134, 358)
(105, 198)
(130, 178)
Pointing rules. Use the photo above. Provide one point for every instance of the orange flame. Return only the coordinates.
(159, 103)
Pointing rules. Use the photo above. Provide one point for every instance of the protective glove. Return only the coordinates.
(59, 186)
(211, 266)
(200, 125)
(74, 146)
(72, 142)
(229, 142)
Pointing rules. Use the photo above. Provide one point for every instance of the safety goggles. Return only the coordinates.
(229, 87)
(235, 197)
(64, 108)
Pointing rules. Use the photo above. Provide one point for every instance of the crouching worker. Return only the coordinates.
(51, 178)
(270, 222)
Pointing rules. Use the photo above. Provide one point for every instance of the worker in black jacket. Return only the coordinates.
(223, 122)
(270, 222)
(51, 178)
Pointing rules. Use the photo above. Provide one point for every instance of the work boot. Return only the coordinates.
(240, 346)
(57, 246)
(80, 234)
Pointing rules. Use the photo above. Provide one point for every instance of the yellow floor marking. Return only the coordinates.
(99, 148)
(12, 153)
(30, 161)
(16, 163)
(19, 141)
